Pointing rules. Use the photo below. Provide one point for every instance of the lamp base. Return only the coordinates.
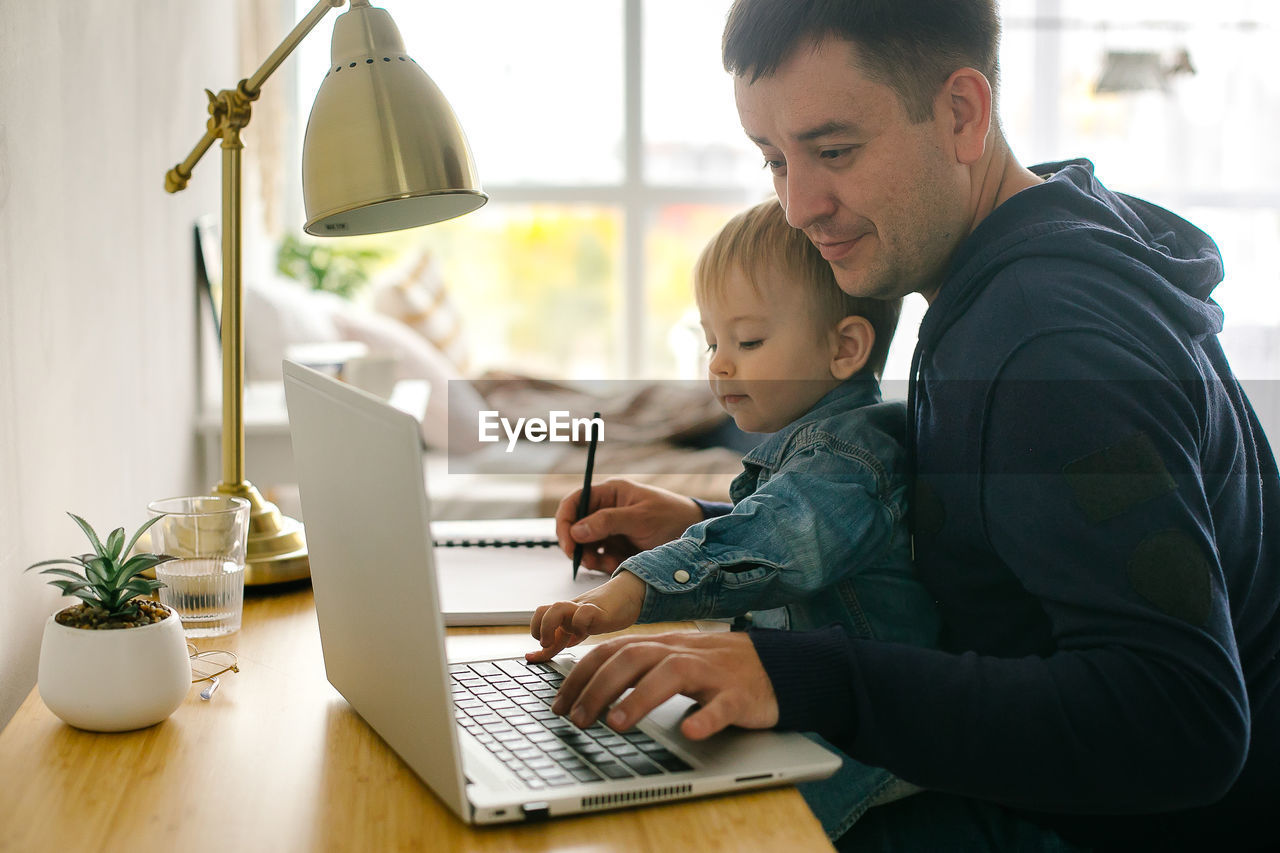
(277, 550)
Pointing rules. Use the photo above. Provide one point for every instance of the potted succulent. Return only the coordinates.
(115, 661)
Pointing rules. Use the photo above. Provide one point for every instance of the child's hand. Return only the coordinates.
(612, 606)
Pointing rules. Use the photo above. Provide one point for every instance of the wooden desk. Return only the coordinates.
(278, 761)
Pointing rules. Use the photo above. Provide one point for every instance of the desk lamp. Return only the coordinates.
(383, 151)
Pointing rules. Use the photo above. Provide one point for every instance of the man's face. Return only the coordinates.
(884, 200)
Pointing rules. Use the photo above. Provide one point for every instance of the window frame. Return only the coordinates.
(639, 201)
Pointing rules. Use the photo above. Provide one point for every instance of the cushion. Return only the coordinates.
(280, 313)
(283, 318)
(452, 400)
(420, 300)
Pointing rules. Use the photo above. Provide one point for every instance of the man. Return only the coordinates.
(1095, 499)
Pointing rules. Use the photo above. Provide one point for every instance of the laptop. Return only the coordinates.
(481, 735)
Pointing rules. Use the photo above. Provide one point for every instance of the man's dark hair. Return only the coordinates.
(912, 46)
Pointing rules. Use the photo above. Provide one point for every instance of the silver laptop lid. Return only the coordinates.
(375, 588)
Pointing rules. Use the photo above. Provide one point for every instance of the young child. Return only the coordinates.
(818, 531)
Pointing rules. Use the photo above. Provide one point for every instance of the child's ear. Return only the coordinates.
(852, 343)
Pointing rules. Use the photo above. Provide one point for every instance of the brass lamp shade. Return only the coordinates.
(383, 149)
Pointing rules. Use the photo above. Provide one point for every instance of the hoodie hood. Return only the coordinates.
(1072, 215)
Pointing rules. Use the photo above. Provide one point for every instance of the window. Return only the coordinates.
(606, 136)
(610, 156)
(1192, 127)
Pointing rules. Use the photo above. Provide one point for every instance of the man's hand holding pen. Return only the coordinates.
(624, 518)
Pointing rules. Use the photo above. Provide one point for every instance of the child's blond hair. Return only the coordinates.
(761, 243)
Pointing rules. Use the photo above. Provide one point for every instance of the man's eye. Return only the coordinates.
(750, 344)
(836, 153)
(775, 166)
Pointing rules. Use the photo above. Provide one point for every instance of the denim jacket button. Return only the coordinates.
(681, 576)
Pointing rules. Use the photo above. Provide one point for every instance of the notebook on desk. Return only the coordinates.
(496, 533)
(497, 572)
(481, 735)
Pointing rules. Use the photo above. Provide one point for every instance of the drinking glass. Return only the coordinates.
(205, 584)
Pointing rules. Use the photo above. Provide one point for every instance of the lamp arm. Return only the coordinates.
(276, 549)
(253, 84)
(231, 107)
(175, 180)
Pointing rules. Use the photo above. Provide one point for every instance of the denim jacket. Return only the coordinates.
(817, 534)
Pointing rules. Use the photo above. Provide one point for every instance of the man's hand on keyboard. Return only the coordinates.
(612, 606)
(721, 671)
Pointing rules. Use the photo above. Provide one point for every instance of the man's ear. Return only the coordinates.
(965, 105)
(851, 346)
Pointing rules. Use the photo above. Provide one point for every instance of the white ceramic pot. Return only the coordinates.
(114, 680)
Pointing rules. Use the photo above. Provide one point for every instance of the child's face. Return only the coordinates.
(769, 364)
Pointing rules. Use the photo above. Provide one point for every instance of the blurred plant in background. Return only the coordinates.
(333, 266)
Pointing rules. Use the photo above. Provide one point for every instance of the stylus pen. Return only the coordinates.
(584, 502)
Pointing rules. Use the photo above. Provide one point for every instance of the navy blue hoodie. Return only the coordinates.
(1097, 514)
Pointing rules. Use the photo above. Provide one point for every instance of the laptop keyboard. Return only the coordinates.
(506, 705)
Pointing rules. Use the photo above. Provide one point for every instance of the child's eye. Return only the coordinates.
(750, 344)
(711, 347)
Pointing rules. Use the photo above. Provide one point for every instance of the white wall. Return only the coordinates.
(98, 309)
